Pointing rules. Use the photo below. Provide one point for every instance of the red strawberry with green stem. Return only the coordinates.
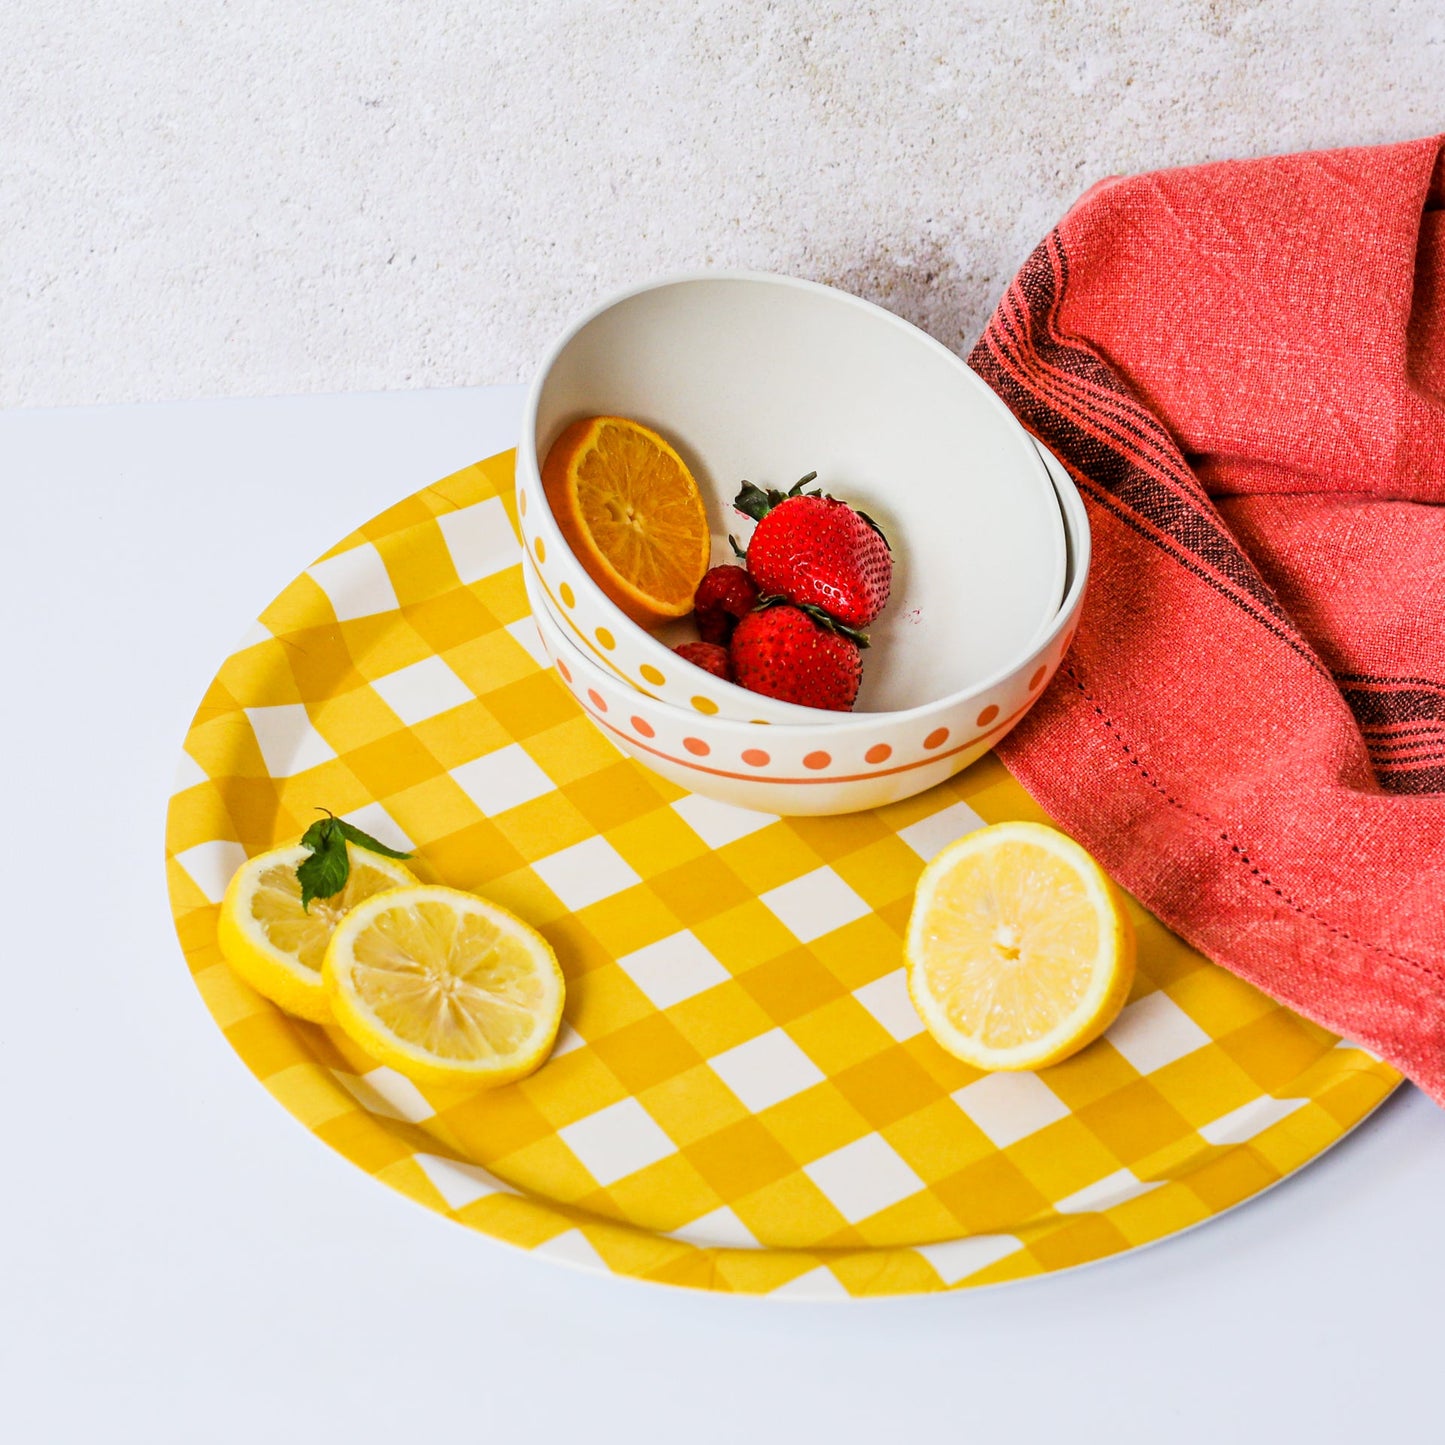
(817, 552)
(783, 652)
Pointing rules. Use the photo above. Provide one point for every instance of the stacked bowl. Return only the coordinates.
(767, 378)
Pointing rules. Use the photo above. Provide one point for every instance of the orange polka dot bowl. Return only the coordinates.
(766, 378)
(832, 762)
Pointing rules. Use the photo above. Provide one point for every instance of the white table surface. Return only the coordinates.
(181, 1261)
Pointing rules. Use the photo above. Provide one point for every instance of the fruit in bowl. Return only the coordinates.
(816, 570)
(817, 552)
(785, 624)
(781, 651)
(723, 598)
(808, 762)
(631, 513)
(767, 377)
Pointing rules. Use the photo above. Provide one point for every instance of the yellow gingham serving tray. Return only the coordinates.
(742, 1098)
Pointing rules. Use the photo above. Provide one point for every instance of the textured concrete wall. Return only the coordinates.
(285, 195)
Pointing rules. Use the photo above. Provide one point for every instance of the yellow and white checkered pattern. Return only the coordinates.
(742, 1097)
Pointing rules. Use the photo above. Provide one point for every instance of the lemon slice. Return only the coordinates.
(272, 944)
(444, 987)
(1019, 950)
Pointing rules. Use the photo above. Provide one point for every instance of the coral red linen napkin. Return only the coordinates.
(1243, 366)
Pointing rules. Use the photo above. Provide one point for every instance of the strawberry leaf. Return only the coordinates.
(754, 502)
(829, 623)
(757, 502)
(825, 620)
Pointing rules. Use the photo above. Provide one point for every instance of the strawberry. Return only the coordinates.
(724, 595)
(817, 552)
(710, 656)
(783, 652)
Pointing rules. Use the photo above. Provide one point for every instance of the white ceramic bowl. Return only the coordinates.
(766, 378)
(837, 763)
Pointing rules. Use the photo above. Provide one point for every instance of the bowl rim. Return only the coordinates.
(1071, 505)
(528, 471)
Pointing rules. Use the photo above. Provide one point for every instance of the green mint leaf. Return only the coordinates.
(319, 833)
(364, 840)
(325, 872)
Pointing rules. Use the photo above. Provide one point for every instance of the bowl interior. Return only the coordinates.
(766, 379)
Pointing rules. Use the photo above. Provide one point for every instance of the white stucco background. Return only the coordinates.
(286, 195)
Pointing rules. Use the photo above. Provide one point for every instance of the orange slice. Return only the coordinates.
(632, 514)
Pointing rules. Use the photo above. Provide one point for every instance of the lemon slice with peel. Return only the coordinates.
(444, 987)
(1019, 950)
(275, 946)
